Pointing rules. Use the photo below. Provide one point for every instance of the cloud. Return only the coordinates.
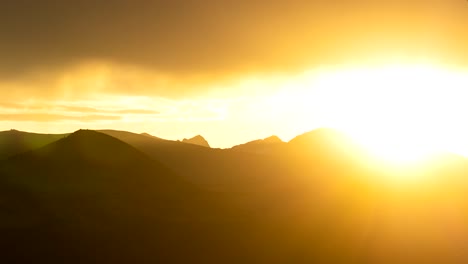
(57, 107)
(138, 112)
(84, 109)
(41, 117)
(166, 48)
(97, 79)
(115, 108)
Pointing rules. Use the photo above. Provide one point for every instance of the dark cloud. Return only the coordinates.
(182, 48)
(215, 35)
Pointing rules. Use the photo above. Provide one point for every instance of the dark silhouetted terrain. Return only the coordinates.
(119, 197)
(14, 142)
(90, 198)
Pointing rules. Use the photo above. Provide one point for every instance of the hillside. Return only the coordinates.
(14, 142)
(89, 190)
(140, 198)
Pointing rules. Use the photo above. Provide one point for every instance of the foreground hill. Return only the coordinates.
(14, 142)
(120, 197)
(90, 198)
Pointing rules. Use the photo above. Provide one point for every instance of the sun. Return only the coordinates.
(400, 113)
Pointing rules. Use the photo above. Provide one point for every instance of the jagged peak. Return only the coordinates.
(197, 137)
(197, 140)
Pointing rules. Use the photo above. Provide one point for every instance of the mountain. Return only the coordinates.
(197, 140)
(91, 198)
(193, 162)
(260, 145)
(320, 138)
(14, 142)
(274, 200)
(148, 135)
(259, 172)
(272, 140)
(120, 197)
(326, 145)
(221, 170)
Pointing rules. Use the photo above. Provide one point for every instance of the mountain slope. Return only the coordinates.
(90, 191)
(14, 142)
(261, 145)
(326, 146)
(197, 140)
(188, 160)
(92, 198)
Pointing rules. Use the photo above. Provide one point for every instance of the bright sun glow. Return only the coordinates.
(402, 114)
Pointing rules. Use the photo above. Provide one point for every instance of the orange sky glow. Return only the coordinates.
(392, 74)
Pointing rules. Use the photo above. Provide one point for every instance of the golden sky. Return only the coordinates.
(232, 71)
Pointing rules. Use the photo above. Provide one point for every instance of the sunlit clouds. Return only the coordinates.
(399, 111)
(390, 73)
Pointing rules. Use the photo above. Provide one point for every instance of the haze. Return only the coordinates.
(234, 131)
(235, 71)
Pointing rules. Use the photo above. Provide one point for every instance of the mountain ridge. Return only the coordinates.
(13, 142)
(197, 140)
(260, 145)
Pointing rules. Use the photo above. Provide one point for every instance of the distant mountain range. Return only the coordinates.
(119, 197)
(197, 140)
(260, 145)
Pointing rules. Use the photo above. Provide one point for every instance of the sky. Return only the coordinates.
(232, 71)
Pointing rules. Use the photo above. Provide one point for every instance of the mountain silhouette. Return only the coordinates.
(328, 146)
(260, 145)
(148, 135)
(272, 139)
(191, 161)
(282, 183)
(197, 140)
(14, 142)
(119, 197)
(221, 170)
(92, 198)
(319, 138)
